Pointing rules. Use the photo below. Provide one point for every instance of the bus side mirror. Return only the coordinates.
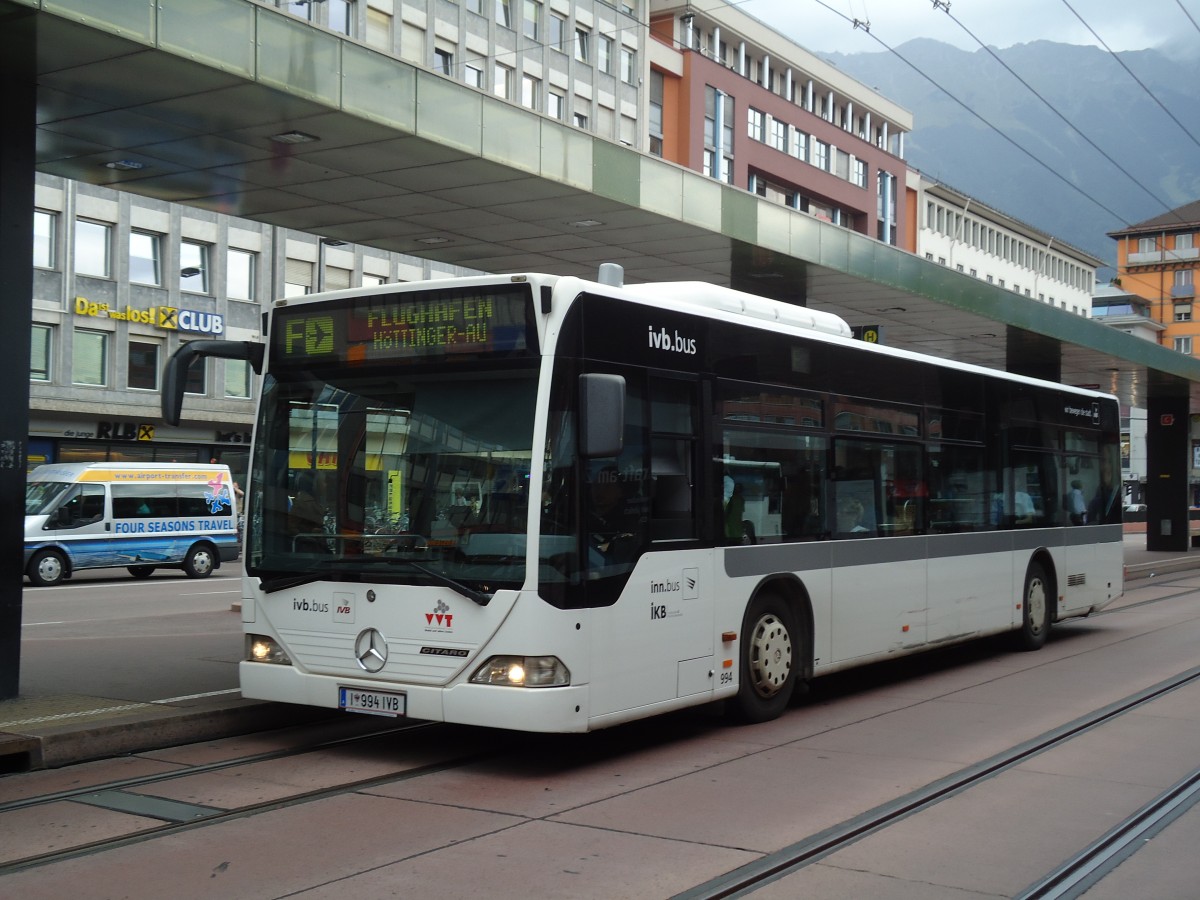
(176, 371)
(601, 415)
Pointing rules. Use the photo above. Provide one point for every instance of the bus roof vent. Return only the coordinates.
(712, 296)
(611, 274)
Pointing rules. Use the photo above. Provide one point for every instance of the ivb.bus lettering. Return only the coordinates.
(676, 343)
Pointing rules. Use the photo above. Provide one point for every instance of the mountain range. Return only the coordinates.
(1090, 152)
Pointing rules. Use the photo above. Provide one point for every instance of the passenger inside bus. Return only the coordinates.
(306, 517)
(613, 521)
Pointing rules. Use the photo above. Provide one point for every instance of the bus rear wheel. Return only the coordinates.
(767, 660)
(199, 561)
(141, 571)
(46, 569)
(1035, 609)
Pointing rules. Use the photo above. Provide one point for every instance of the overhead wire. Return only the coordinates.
(945, 7)
(866, 29)
(1121, 63)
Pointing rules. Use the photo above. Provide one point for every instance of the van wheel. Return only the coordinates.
(141, 571)
(767, 660)
(47, 568)
(199, 561)
(1035, 609)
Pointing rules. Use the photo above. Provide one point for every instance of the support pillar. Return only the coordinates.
(1167, 467)
(16, 319)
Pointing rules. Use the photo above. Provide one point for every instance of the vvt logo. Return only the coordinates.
(676, 343)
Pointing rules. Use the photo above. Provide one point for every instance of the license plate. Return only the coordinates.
(375, 703)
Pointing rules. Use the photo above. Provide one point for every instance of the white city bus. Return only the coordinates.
(518, 487)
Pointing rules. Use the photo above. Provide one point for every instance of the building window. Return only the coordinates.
(779, 132)
(143, 366)
(533, 13)
(372, 280)
(237, 379)
(341, 16)
(582, 37)
(239, 271)
(475, 6)
(1183, 242)
(798, 146)
(628, 66)
(556, 104)
(443, 61)
(197, 380)
(604, 54)
(503, 13)
(656, 112)
(503, 85)
(860, 173)
(93, 241)
(579, 120)
(1184, 345)
(1146, 245)
(45, 227)
(473, 75)
(193, 267)
(297, 278)
(145, 259)
(39, 357)
(89, 358)
(558, 32)
(531, 91)
(379, 29)
(820, 155)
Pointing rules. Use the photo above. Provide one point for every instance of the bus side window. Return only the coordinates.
(84, 508)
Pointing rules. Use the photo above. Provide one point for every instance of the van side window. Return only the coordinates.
(86, 507)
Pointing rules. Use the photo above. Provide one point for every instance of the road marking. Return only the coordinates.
(199, 696)
(208, 593)
(23, 624)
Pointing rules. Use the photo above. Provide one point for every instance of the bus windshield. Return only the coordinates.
(418, 479)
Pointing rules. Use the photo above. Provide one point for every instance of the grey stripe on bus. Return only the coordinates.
(764, 559)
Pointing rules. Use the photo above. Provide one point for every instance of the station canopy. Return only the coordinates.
(234, 107)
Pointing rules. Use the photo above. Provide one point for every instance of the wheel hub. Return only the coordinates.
(770, 656)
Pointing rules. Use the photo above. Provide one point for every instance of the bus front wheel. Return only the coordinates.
(46, 569)
(1035, 609)
(767, 660)
(199, 561)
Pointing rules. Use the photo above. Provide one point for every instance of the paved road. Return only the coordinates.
(110, 635)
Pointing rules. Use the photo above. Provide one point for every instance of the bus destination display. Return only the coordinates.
(405, 326)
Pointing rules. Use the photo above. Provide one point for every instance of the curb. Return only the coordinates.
(63, 745)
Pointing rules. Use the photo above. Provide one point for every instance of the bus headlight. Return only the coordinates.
(523, 671)
(260, 648)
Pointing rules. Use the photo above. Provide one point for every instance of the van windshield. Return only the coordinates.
(42, 496)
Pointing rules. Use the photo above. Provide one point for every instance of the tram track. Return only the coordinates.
(188, 817)
(1074, 873)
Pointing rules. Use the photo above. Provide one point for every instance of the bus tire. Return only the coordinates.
(199, 562)
(140, 571)
(1035, 609)
(767, 660)
(47, 568)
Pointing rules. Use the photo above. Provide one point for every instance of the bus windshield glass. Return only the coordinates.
(400, 461)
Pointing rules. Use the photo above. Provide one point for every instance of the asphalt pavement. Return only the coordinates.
(48, 731)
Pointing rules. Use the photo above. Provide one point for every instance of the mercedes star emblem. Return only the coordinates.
(370, 649)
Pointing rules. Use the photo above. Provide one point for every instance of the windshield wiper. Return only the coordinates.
(444, 580)
(323, 568)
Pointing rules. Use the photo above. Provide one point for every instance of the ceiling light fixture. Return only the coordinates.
(433, 240)
(294, 137)
(125, 165)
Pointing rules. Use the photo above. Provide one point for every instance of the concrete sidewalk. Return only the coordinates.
(48, 732)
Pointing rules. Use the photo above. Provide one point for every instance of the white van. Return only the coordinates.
(137, 515)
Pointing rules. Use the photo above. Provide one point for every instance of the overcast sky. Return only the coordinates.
(825, 26)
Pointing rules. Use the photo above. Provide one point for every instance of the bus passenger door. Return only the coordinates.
(655, 643)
